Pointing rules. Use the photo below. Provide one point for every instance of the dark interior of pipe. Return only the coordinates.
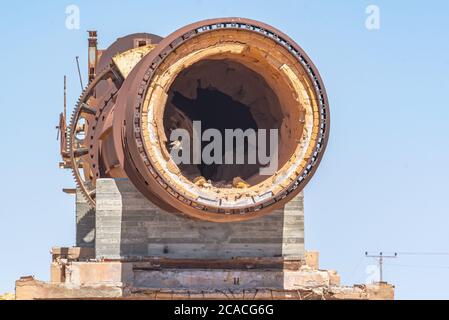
(224, 94)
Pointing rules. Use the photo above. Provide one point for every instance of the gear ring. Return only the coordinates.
(82, 154)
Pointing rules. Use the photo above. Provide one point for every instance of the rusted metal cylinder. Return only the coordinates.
(228, 73)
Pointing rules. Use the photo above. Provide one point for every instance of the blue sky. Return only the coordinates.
(383, 183)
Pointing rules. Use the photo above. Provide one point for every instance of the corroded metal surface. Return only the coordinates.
(117, 128)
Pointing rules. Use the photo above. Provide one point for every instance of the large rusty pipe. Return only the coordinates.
(228, 72)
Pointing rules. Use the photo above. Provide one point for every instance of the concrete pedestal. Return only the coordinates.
(130, 249)
(128, 225)
(73, 276)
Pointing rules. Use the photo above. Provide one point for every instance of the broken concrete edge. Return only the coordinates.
(28, 288)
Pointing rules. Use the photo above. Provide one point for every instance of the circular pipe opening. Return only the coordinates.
(229, 79)
(224, 94)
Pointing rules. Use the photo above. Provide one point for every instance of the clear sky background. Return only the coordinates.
(383, 183)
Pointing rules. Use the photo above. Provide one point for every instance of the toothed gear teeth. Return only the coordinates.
(72, 144)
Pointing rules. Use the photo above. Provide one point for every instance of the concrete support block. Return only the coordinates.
(128, 225)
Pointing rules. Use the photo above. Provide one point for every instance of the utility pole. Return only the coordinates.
(380, 260)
